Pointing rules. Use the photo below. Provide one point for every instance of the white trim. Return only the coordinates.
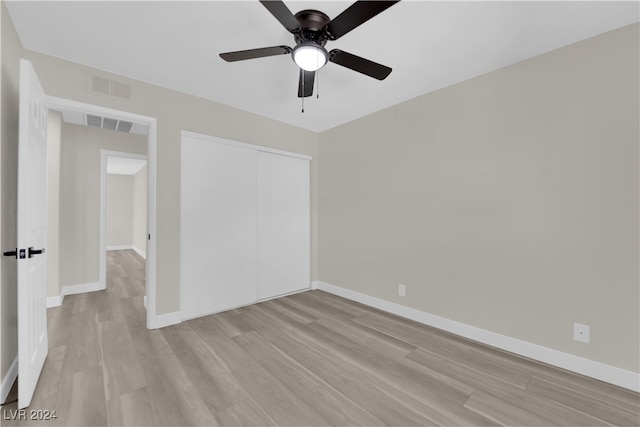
(97, 110)
(139, 251)
(82, 288)
(55, 301)
(186, 133)
(164, 320)
(127, 247)
(611, 374)
(8, 380)
(150, 271)
(152, 159)
(119, 247)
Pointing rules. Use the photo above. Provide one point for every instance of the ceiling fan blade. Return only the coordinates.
(241, 55)
(282, 13)
(355, 15)
(309, 77)
(361, 65)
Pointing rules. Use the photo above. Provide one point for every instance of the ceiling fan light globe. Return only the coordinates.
(309, 57)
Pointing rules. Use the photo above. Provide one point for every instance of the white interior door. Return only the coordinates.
(217, 227)
(32, 232)
(283, 225)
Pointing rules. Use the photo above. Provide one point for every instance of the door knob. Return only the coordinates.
(33, 252)
(11, 253)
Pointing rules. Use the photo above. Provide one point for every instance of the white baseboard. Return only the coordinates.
(56, 301)
(139, 251)
(82, 288)
(162, 320)
(8, 380)
(119, 247)
(128, 247)
(611, 374)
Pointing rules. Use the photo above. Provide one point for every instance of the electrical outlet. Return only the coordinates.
(581, 333)
(402, 290)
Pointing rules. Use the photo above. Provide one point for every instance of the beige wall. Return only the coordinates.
(54, 134)
(513, 195)
(11, 49)
(508, 202)
(140, 210)
(80, 197)
(175, 112)
(119, 219)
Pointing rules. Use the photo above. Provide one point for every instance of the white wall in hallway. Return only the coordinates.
(119, 210)
(80, 198)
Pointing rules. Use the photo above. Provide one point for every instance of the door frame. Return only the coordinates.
(104, 155)
(152, 160)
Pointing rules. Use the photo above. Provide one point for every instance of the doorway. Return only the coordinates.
(89, 111)
(123, 207)
(126, 202)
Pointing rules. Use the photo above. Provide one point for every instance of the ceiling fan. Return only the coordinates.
(311, 30)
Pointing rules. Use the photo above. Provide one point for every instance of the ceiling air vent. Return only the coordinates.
(109, 123)
(124, 126)
(94, 121)
(87, 119)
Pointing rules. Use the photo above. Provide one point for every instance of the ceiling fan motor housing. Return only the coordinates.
(309, 53)
(312, 27)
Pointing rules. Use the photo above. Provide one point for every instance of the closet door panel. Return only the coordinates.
(218, 227)
(283, 225)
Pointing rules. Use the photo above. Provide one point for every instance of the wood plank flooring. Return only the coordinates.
(311, 359)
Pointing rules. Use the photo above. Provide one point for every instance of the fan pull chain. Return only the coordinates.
(302, 79)
(318, 84)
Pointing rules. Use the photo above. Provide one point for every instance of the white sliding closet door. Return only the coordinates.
(283, 225)
(218, 227)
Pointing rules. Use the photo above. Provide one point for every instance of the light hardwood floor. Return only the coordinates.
(302, 360)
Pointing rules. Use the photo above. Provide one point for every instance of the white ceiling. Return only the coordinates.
(428, 44)
(124, 165)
